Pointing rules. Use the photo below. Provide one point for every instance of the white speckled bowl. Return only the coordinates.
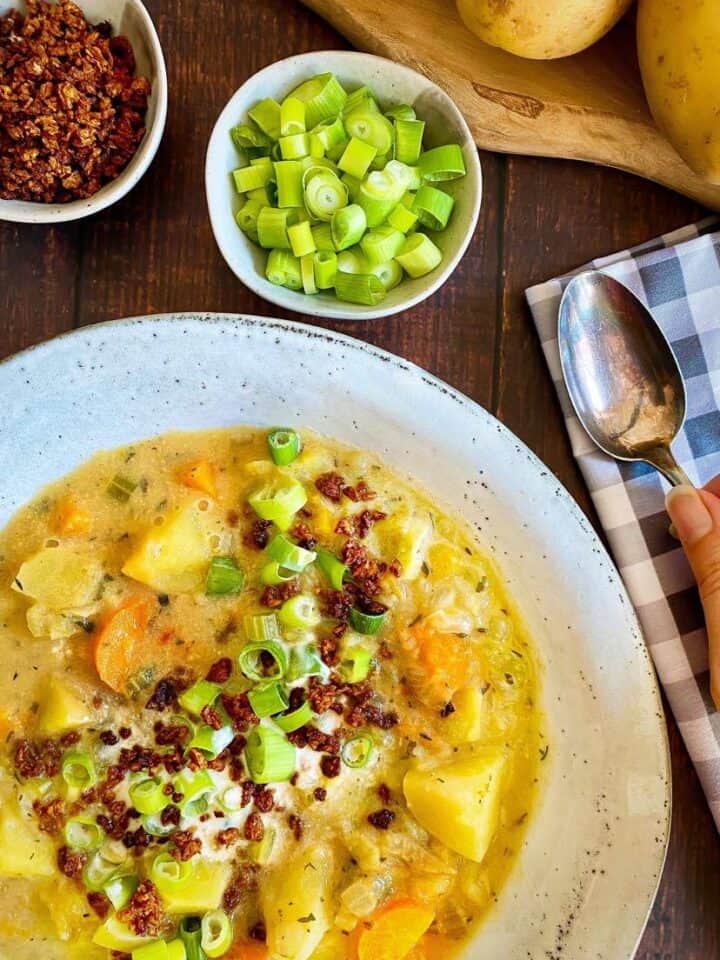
(131, 19)
(392, 83)
(595, 847)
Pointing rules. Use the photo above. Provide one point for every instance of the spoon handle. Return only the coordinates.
(663, 460)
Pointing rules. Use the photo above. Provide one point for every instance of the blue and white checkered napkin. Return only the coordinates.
(678, 277)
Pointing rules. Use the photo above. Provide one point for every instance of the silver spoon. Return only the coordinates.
(623, 379)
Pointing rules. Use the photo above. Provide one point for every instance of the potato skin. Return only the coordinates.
(679, 52)
(541, 29)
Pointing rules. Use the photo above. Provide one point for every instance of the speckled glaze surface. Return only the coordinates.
(595, 847)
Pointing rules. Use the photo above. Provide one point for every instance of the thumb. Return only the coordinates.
(696, 516)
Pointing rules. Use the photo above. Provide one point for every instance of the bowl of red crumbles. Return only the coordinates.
(83, 102)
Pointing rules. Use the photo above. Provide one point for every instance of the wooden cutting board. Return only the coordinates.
(587, 107)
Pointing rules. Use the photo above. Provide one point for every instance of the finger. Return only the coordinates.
(696, 516)
(713, 486)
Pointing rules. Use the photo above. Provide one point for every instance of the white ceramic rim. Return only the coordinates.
(26, 211)
(315, 307)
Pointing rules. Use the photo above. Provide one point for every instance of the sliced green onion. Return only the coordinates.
(272, 574)
(389, 274)
(300, 612)
(278, 500)
(190, 932)
(366, 623)
(272, 224)
(334, 570)
(301, 238)
(78, 769)
(288, 554)
(120, 890)
(217, 933)
(325, 266)
(197, 807)
(295, 147)
(353, 186)
(330, 133)
(269, 755)
(83, 833)
(348, 225)
(357, 157)
(381, 244)
(283, 269)
(210, 741)
(360, 98)
(442, 163)
(419, 255)
(292, 117)
(370, 126)
(357, 751)
(295, 718)
(284, 445)
(247, 217)
(246, 137)
(121, 488)
(408, 140)
(230, 799)
(324, 194)
(352, 261)
(288, 177)
(266, 116)
(224, 578)
(379, 194)
(261, 851)
(433, 207)
(148, 796)
(252, 177)
(360, 288)
(152, 824)
(307, 271)
(323, 97)
(356, 663)
(193, 783)
(250, 660)
(322, 236)
(98, 871)
(201, 694)
(268, 699)
(401, 111)
(260, 627)
(402, 219)
(170, 875)
(305, 661)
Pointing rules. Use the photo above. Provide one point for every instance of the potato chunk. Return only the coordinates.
(174, 557)
(24, 851)
(296, 904)
(61, 578)
(62, 709)
(459, 803)
(465, 724)
(407, 539)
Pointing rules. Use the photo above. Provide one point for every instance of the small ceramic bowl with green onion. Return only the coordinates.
(342, 185)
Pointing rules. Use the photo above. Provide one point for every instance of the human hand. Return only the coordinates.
(696, 517)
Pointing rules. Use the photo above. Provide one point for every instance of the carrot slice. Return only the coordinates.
(394, 930)
(71, 520)
(433, 947)
(440, 662)
(199, 476)
(247, 950)
(117, 644)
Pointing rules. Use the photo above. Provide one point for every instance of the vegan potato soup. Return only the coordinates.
(261, 698)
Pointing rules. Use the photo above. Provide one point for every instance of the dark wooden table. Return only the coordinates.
(154, 252)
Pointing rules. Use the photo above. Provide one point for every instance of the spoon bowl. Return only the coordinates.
(622, 376)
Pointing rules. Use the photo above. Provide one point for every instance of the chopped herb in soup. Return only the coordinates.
(260, 698)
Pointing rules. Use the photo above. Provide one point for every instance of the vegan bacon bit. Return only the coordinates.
(227, 838)
(51, 815)
(330, 766)
(296, 826)
(366, 570)
(37, 759)
(359, 524)
(304, 536)
(320, 793)
(73, 113)
(245, 879)
(254, 828)
(258, 536)
(239, 710)
(361, 491)
(144, 913)
(220, 671)
(331, 485)
(276, 596)
(71, 864)
(381, 819)
(99, 903)
(186, 845)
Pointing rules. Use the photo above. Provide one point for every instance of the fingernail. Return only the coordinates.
(688, 513)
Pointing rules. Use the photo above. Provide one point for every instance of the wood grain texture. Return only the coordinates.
(587, 107)
(154, 252)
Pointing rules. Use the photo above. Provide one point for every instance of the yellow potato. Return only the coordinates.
(541, 29)
(679, 51)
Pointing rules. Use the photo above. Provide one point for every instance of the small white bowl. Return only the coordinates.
(131, 19)
(392, 83)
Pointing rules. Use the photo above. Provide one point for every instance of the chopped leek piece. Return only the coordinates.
(352, 261)
(401, 111)
(272, 224)
(210, 741)
(176, 950)
(322, 235)
(330, 133)
(357, 750)
(408, 140)
(246, 137)
(169, 874)
(371, 127)
(325, 266)
(381, 244)
(251, 660)
(433, 207)
(295, 147)
(323, 96)
(190, 932)
(418, 255)
(334, 570)
(193, 783)
(266, 116)
(379, 194)
(301, 238)
(247, 217)
(252, 177)
(442, 163)
(389, 274)
(356, 663)
(324, 194)
(273, 574)
(231, 798)
(152, 824)
(283, 269)
(307, 271)
(121, 488)
(224, 578)
(357, 157)
(78, 769)
(288, 177)
(284, 445)
(148, 796)
(269, 755)
(294, 719)
(267, 699)
(359, 288)
(119, 890)
(83, 833)
(292, 117)
(262, 626)
(300, 612)
(261, 851)
(305, 661)
(402, 219)
(217, 933)
(367, 623)
(98, 871)
(201, 694)
(362, 97)
(353, 186)
(157, 950)
(290, 555)
(278, 500)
